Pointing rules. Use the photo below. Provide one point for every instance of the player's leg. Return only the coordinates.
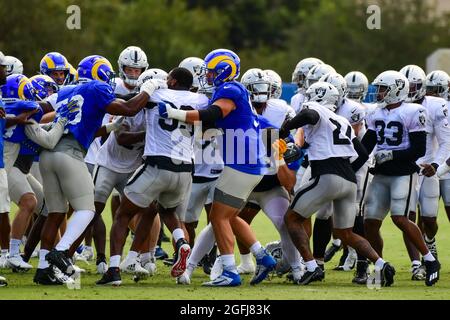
(322, 231)
(401, 188)
(376, 209)
(5, 227)
(344, 217)
(429, 207)
(249, 212)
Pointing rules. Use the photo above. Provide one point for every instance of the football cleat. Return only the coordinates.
(184, 279)
(418, 272)
(132, 266)
(330, 252)
(110, 278)
(160, 254)
(310, 276)
(16, 262)
(246, 268)
(61, 261)
(102, 267)
(4, 261)
(361, 275)
(263, 266)
(46, 277)
(87, 253)
(180, 259)
(226, 279)
(3, 282)
(432, 272)
(216, 269)
(387, 275)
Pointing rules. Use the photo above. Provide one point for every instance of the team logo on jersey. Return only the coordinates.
(355, 117)
(400, 84)
(422, 119)
(445, 111)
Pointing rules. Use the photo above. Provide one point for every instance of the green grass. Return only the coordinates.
(337, 285)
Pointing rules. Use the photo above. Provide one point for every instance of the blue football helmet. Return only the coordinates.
(17, 87)
(95, 68)
(44, 86)
(222, 65)
(54, 61)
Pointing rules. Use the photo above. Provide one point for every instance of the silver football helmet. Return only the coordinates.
(133, 57)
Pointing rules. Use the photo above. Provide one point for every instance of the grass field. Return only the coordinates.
(337, 285)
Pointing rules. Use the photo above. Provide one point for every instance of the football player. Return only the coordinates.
(299, 78)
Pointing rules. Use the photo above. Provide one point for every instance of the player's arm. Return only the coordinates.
(20, 119)
(356, 127)
(131, 107)
(363, 156)
(128, 138)
(442, 130)
(218, 110)
(369, 141)
(46, 139)
(304, 117)
(287, 177)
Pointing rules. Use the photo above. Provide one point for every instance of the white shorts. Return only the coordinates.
(4, 194)
(10, 154)
(18, 184)
(426, 195)
(200, 194)
(389, 193)
(150, 183)
(106, 180)
(234, 187)
(444, 186)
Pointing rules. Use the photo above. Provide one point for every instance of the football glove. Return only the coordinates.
(384, 156)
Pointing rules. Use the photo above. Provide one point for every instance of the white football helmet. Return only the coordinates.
(301, 71)
(153, 73)
(323, 93)
(438, 84)
(13, 65)
(133, 57)
(391, 87)
(258, 83)
(197, 67)
(2, 59)
(338, 82)
(416, 77)
(316, 73)
(276, 84)
(357, 85)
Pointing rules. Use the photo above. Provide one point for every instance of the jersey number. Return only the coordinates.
(172, 124)
(397, 134)
(337, 134)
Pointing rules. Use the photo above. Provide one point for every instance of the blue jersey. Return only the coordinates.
(243, 148)
(16, 134)
(88, 101)
(2, 131)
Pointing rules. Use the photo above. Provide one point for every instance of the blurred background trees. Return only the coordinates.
(271, 34)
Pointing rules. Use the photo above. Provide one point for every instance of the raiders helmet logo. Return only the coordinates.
(400, 84)
(422, 119)
(320, 92)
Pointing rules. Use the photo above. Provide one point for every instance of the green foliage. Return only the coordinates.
(269, 34)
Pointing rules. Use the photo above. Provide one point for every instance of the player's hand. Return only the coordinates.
(23, 117)
(65, 112)
(164, 110)
(279, 147)
(2, 113)
(151, 85)
(428, 170)
(384, 156)
(114, 125)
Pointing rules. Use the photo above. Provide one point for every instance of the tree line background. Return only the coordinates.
(273, 34)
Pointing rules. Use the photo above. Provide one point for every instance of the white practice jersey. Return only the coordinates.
(331, 137)
(297, 102)
(207, 158)
(393, 126)
(120, 87)
(276, 112)
(447, 176)
(169, 137)
(355, 113)
(123, 159)
(91, 154)
(51, 100)
(438, 131)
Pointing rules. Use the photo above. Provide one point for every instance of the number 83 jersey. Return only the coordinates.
(170, 137)
(392, 127)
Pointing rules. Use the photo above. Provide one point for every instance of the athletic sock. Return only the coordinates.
(429, 257)
(75, 228)
(321, 237)
(132, 255)
(228, 263)
(379, 264)
(246, 259)
(337, 242)
(311, 265)
(114, 261)
(177, 234)
(257, 250)
(14, 247)
(42, 262)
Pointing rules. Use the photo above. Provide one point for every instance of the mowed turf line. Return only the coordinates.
(337, 285)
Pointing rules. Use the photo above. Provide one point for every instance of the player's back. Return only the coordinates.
(169, 137)
(89, 101)
(297, 102)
